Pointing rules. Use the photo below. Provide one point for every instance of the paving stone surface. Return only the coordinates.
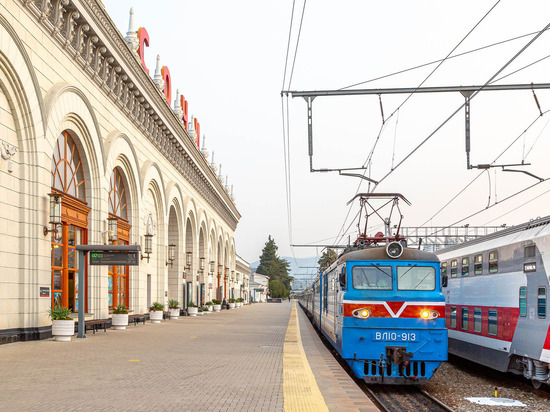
(227, 361)
(340, 392)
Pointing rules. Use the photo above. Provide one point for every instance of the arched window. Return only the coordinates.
(117, 196)
(119, 279)
(67, 175)
(68, 179)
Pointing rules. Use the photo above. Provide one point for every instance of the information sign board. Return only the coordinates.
(108, 258)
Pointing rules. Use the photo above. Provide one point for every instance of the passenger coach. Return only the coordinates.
(496, 288)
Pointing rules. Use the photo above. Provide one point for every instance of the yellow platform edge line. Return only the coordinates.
(300, 390)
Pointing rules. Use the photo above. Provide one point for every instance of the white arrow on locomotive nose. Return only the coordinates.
(392, 313)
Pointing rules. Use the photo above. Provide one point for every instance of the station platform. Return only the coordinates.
(246, 359)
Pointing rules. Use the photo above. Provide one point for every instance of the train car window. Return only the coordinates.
(529, 252)
(493, 322)
(493, 261)
(541, 303)
(443, 268)
(454, 268)
(523, 301)
(372, 277)
(342, 278)
(453, 317)
(415, 278)
(478, 264)
(465, 266)
(465, 318)
(477, 320)
(325, 293)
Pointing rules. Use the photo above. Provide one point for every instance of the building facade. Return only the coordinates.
(81, 120)
(259, 287)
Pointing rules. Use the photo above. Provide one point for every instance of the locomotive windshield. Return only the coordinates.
(415, 278)
(372, 277)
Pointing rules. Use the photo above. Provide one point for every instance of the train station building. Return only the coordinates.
(95, 150)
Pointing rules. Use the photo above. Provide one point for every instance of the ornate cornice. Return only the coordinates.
(88, 35)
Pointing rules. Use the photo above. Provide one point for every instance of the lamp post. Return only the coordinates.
(55, 212)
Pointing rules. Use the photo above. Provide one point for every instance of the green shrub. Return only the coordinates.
(208, 303)
(60, 313)
(200, 310)
(240, 300)
(156, 306)
(217, 301)
(231, 300)
(173, 304)
(191, 305)
(120, 310)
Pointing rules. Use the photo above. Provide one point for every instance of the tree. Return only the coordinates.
(326, 259)
(277, 289)
(273, 266)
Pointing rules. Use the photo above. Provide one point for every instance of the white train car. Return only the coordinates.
(496, 292)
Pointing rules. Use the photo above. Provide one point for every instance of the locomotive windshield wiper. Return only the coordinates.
(413, 266)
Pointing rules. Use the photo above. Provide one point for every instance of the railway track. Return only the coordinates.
(404, 398)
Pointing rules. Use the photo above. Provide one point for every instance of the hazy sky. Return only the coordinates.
(228, 59)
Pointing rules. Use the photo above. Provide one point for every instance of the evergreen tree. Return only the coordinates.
(326, 259)
(277, 289)
(273, 266)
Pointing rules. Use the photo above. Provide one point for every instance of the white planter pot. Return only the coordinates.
(206, 312)
(231, 306)
(119, 321)
(193, 311)
(62, 330)
(217, 308)
(210, 308)
(175, 313)
(238, 304)
(155, 316)
(199, 313)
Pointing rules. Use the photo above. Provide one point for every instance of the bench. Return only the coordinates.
(94, 325)
(135, 319)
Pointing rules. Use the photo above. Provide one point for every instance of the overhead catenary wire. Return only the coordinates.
(368, 161)
(481, 172)
(439, 60)
(463, 104)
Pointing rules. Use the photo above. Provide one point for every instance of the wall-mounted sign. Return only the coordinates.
(114, 258)
(44, 292)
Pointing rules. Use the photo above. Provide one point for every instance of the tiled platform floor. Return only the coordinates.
(228, 361)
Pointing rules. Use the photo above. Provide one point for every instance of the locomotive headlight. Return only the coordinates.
(428, 314)
(394, 250)
(363, 313)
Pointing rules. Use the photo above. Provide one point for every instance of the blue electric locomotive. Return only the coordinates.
(382, 309)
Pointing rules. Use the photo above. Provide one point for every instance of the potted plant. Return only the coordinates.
(231, 303)
(217, 305)
(192, 309)
(238, 302)
(200, 311)
(205, 310)
(174, 307)
(120, 318)
(62, 323)
(156, 311)
(210, 306)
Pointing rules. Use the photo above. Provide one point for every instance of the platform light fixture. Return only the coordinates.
(55, 212)
(148, 250)
(220, 270)
(188, 260)
(171, 255)
(201, 264)
(112, 227)
(212, 267)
